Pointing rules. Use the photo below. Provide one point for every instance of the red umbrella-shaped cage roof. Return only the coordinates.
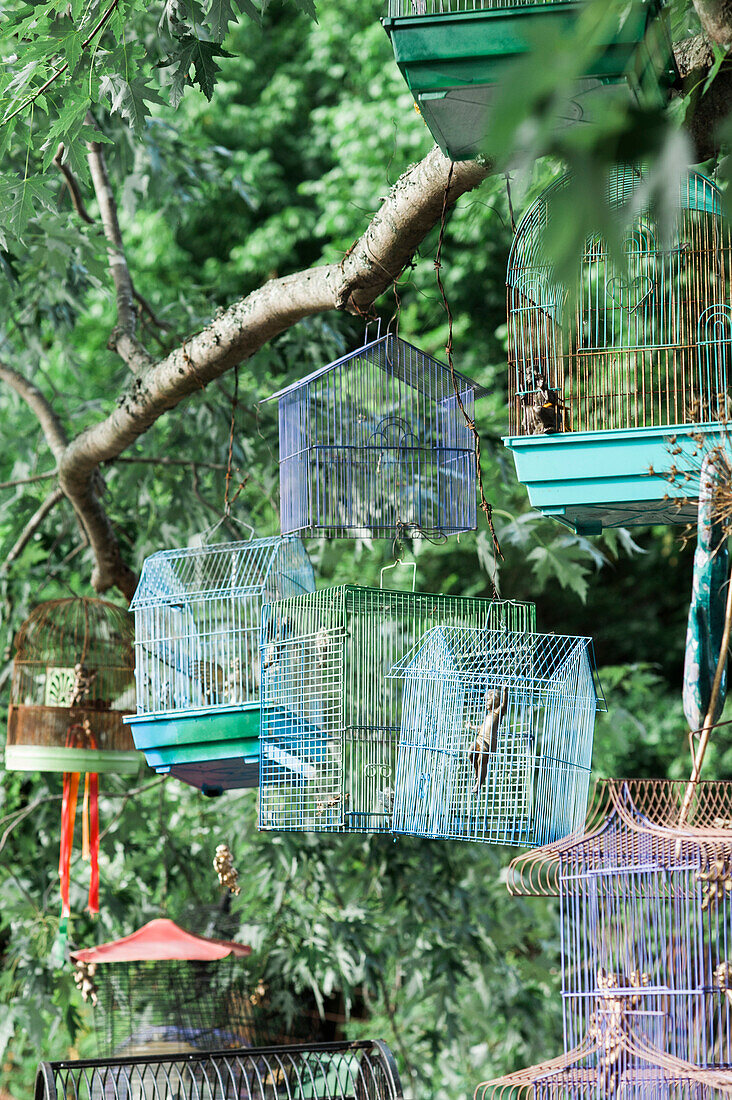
(159, 940)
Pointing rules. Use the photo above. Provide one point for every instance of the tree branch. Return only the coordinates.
(694, 59)
(27, 480)
(72, 186)
(31, 527)
(50, 423)
(716, 20)
(122, 339)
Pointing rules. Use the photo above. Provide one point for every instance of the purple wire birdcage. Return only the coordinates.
(378, 443)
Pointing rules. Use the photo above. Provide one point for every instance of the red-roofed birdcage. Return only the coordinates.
(163, 989)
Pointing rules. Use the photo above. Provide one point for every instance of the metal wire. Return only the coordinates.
(325, 1071)
(399, 8)
(650, 341)
(331, 714)
(375, 444)
(197, 614)
(531, 699)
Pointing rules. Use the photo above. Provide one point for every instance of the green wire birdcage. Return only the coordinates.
(330, 713)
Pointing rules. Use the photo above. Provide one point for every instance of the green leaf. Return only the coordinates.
(130, 98)
(199, 55)
(20, 200)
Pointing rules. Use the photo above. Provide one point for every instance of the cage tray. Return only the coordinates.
(52, 758)
(453, 62)
(592, 480)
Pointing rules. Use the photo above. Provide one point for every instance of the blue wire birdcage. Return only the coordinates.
(376, 444)
(496, 735)
(647, 930)
(197, 616)
(617, 378)
(330, 711)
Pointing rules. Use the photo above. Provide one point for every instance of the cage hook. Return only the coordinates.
(393, 565)
(377, 322)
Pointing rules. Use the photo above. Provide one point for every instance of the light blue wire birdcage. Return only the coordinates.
(330, 711)
(496, 735)
(197, 617)
(376, 444)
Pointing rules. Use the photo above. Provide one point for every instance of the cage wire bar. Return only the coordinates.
(197, 614)
(325, 1071)
(496, 735)
(73, 680)
(644, 342)
(331, 714)
(375, 444)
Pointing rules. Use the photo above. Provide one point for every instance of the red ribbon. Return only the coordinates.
(80, 737)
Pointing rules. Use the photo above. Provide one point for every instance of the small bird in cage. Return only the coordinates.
(273, 648)
(223, 864)
(234, 682)
(211, 678)
(83, 682)
(322, 647)
(84, 980)
(722, 979)
(486, 741)
(541, 409)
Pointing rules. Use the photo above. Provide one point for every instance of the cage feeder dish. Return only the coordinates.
(453, 56)
(197, 615)
(638, 374)
(376, 444)
(73, 680)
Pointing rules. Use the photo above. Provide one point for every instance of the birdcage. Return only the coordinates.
(330, 711)
(197, 613)
(646, 917)
(73, 679)
(618, 381)
(496, 735)
(377, 444)
(454, 53)
(362, 1070)
(613, 1061)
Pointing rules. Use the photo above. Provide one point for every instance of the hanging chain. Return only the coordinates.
(234, 404)
(485, 506)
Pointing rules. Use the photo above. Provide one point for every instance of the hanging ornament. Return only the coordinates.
(223, 864)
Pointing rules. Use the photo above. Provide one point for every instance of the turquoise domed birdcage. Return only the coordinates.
(625, 372)
(197, 615)
(377, 444)
(453, 54)
(496, 735)
(330, 711)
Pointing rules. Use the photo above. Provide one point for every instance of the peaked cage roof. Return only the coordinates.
(213, 570)
(401, 359)
(519, 659)
(161, 940)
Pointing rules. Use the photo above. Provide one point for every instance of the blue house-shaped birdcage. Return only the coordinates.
(197, 665)
(377, 444)
(496, 735)
(620, 380)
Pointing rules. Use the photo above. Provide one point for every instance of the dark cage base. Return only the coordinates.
(325, 1071)
(148, 1008)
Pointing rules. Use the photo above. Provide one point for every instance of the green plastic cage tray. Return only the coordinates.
(452, 61)
(51, 758)
(592, 480)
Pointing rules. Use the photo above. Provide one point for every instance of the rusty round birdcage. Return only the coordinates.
(73, 680)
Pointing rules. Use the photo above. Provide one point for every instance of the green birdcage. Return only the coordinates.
(330, 712)
(454, 53)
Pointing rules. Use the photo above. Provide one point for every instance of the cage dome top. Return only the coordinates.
(229, 568)
(696, 193)
(403, 361)
(76, 629)
(158, 941)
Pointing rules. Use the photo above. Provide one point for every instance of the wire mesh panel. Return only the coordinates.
(327, 1071)
(197, 614)
(496, 735)
(647, 935)
(73, 679)
(331, 713)
(641, 342)
(376, 443)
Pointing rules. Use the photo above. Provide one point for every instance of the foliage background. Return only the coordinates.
(310, 125)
